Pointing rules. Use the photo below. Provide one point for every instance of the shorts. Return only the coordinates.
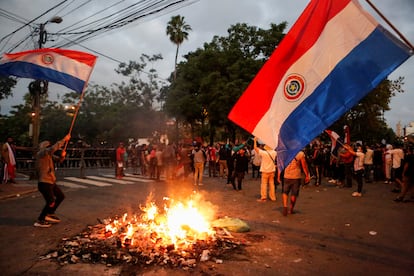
(397, 173)
(291, 186)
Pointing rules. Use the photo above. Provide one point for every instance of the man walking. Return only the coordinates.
(292, 181)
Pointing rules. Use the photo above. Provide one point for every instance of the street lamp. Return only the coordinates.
(42, 31)
(38, 87)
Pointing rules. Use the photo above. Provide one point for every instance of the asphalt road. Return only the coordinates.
(332, 233)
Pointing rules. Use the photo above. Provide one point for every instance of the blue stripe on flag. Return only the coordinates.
(30, 70)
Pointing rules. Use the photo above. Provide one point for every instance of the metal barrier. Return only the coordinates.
(76, 159)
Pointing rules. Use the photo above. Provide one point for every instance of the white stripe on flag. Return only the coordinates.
(60, 63)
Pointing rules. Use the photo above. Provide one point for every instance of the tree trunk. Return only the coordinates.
(175, 62)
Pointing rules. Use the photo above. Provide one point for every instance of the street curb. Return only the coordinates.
(18, 190)
(18, 194)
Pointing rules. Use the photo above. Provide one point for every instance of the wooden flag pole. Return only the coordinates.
(74, 116)
(78, 107)
(390, 24)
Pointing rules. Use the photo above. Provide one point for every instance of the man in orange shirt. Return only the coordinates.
(292, 180)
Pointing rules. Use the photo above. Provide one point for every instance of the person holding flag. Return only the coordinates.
(267, 171)
(53, 195)
(358, 166)
(66, 67)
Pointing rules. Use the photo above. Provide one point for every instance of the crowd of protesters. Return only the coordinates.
(362, 163)
(376, 163)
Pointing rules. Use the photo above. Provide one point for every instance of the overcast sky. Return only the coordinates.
(207, 19)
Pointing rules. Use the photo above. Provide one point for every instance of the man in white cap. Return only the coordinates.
(52, 194)
(267, 170)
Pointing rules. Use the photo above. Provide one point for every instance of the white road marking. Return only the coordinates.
(133, 178)
(111, 180)
(70, 185)
(88, 181)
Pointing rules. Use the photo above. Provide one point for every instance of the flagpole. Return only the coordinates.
(78, 106)
(75, 114)
(390, 24)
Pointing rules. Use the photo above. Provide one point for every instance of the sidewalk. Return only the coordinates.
(23, 186)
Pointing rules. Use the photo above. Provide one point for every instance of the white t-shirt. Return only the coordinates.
(267, 165)
(369, 155)
(359, 161)
(256, 158)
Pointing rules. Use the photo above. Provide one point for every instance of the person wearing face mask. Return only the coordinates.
(358, 167)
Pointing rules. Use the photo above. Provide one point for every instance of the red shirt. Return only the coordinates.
(212, 154)
(120, 151)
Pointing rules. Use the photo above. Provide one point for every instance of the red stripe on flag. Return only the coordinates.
(81, 57)
(87, 59)
(297, 42)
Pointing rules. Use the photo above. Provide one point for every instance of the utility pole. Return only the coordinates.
(39, 87)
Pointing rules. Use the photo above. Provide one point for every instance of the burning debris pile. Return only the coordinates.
(180, 235)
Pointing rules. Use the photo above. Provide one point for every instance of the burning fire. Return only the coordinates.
(178, 235)
(178, 225)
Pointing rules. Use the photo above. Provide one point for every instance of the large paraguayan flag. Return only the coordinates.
(67, 67)
(333, 56)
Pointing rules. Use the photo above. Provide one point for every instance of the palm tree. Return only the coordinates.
(177, 30)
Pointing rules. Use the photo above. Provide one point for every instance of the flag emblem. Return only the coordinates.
(294, 87)
(47, 59)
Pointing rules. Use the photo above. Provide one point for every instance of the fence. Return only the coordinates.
(76, 158)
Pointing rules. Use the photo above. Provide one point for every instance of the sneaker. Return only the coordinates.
(398, 199)
(52, 218)
(262, 200)
(42, 223)
(356, 194)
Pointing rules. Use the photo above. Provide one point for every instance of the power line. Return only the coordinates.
(11, 16)
(123, 20)
(111, 58)
(30, 22)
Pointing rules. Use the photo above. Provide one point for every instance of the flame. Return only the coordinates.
(178, 225)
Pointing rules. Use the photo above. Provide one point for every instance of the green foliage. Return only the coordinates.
(16, 125)
(213, 78)
(6, 86)
(177, 30)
